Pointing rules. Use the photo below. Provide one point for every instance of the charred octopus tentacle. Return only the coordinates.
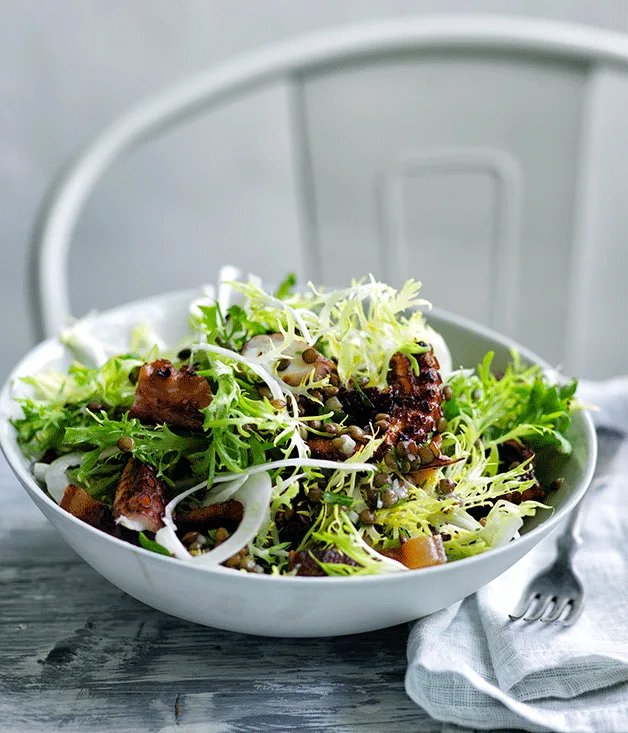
(407, 414)
(139, 497)
(415, 399)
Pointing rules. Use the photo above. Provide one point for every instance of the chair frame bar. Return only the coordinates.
(292, 61)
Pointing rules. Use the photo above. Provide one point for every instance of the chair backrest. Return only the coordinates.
(462, 151)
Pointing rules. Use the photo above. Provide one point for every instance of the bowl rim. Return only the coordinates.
(15, 459)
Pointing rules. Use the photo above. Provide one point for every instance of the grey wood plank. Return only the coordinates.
(79, 654)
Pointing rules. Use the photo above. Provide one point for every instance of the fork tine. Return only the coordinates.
(525, 602)
(543, 605)
(556, 612)
(577, 606)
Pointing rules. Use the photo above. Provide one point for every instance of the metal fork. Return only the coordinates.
(559, 588)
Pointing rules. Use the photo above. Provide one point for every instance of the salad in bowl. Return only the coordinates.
(296, 433)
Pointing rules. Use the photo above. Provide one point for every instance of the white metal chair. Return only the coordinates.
(382, 124)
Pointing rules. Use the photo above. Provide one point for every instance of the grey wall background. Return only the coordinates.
(221, 190)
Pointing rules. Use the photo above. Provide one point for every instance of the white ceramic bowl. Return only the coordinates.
(289, 606)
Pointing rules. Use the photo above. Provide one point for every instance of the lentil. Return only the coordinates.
(382, 479)
(310, 355)
(426, 455)
(434, 446)
(448, 392)
(247, 563)
(356, 433)
(315, 495)
(288, 513)
(367, 517)
(126, 443)
(389, 498)
(344, 444)
(389, 460)
(190, 537)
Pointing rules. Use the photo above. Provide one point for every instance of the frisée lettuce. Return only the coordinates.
(381, 456)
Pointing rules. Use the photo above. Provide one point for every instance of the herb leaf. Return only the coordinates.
(152, 545)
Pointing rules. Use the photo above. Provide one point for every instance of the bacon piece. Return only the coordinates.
(230, 510)
(139, 498)
(168, 395)
(81, 505)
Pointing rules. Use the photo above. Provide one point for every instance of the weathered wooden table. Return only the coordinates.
(78, 655)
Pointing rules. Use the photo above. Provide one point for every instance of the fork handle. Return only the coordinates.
(571, 537)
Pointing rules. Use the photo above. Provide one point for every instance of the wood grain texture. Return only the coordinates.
(79, 655)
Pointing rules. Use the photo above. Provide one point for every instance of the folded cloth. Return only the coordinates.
(472, 667)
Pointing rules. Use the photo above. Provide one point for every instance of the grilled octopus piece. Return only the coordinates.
(412, 401)
(139, 498)
(415, 399)
(306, 565)
(165, 394)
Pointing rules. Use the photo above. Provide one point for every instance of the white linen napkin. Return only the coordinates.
(470, 666)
